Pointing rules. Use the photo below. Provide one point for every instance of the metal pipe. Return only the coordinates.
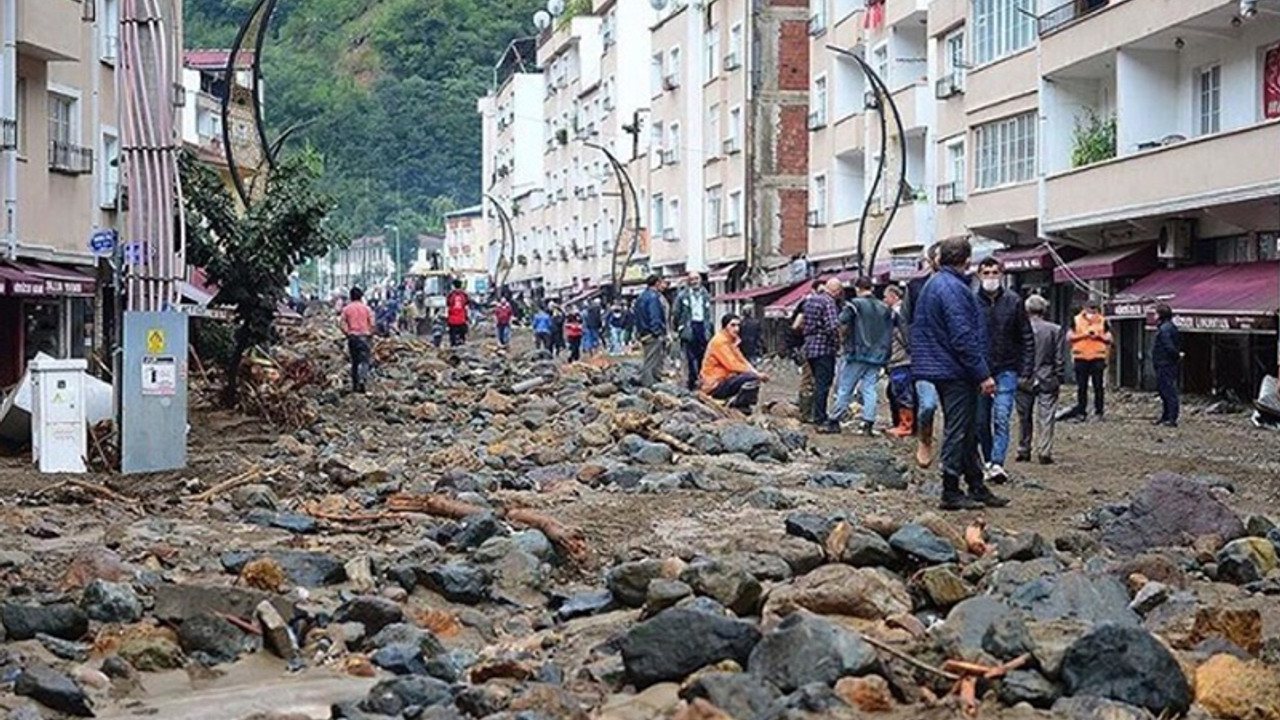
(9, 109)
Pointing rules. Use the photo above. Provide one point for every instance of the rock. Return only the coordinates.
(1008, 637)
(923, 545)
(880, 467)
(61, 620)
(1050, 641)
(277, 637)
(152, 653)
(211, 638)
(1096, 708)
(629, 581)
(535, 543)
(768, 497)
(657, 701)
(308, 569)
(360, 574)
(1237, 690)
(449, 666)
(475, 530)
(1079, 544)
(678, 641)
(111, 602)
(726, 583)
(595, 435)
(1129, 665)
(870, 694)
(1023, 546)
(354, 471)
(809, 526)
(1028, 686)
(752, 441)
(176, 603)
(806, 649)
(1167, 510)
(646, 452)
(114, 666)
(866, 593)
(965, 630)
(549, 701)
(352, 710)
(403, 633)
(65, 649)
(1009, 576)
(1096, 599)
(864, 549)
(943, 586)
(53, 690)
(1246, 560)
(801, 556)
(371, 611)
(583, 604)
(400, 659)
(1149, 597)
(13, 558)
(458, 582)
(392, 697)
(764, 567)
(738, 694)
(662, 594)
(255, 495)
(825, 479)
(1239, 626)
(1259, 525)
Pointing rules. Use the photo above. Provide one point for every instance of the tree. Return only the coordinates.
(250, 256)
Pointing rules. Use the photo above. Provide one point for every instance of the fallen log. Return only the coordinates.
(249, 476)
(571, 540)
(103, 492)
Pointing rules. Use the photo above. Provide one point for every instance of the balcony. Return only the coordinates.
(732, 146)
(731, 62)
(1083, 29)
(670, 157)
(850, 134)
(817, 120)
(729, 229)
(52, 32)
(1156, 181)
(671, 81)
(68, 159)
(950, 193)
(949, 85)
(8, 134)
(1067, 13)
(902, 231)
(669, 235)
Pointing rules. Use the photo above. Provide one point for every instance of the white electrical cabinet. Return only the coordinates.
(58, 435)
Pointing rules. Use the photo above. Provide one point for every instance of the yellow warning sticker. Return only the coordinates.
(155, 341)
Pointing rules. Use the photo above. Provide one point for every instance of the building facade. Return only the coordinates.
(467, 246)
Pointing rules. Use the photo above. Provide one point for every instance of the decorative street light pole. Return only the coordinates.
(625, 186)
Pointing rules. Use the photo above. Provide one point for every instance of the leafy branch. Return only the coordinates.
(1093, 140)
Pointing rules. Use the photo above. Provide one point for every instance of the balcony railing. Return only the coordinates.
(950, 193)
(731, 62)
(1068, 13)
(817, 120)
(948, 85)
(70, 159)
(8, 134)
(816, 218)
(817, 24)
(670, 157)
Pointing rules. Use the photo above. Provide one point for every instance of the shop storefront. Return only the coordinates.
(44, 308)
(1031, 271)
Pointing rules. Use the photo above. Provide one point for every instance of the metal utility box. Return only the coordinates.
(59, 439)
(153, 399)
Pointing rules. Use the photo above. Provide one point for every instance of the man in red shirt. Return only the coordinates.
(502, 315)
(357, 324)
(457, 303)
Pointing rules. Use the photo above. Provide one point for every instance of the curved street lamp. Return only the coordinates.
(508, 235)
(624, 186)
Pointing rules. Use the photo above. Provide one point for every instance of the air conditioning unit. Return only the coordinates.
(670, 81)
(729, 229)
(731, 61)
(949, 85)
(1176, 238)
(731, 146)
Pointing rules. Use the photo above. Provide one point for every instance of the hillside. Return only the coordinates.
(385, 89)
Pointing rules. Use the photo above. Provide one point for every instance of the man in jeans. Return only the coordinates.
(926, 392)
(866, 325)
(1166, 354)
(651, 328)
(821, 341)
(502, 315)
(357, 324)
(694, 323)
(1011, 353)
(949, 349)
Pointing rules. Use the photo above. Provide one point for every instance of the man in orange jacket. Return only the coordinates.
(1090, 338)
(726, 374)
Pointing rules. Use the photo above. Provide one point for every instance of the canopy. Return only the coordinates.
(1207, 298)
(755, 292)
(1127, 261)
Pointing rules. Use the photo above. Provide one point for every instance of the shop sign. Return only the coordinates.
(1222, 323)
(902, 267)
(1271, 83)
(1021, 264)
(27, 287)
(103, 243)
(67, 287)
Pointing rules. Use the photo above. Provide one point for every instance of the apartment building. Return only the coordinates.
(205, 83)
(367, 262)
(466, 247)
(60, 179)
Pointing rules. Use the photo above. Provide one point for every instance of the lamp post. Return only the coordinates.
(395, 259)
(624, 186)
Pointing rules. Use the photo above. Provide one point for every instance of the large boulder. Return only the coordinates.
(739, 694)
(867, 593)
(53, 690)
(110, 602)
(725, 582)
(1094, 599)
(301, 567)
(629, 581)
(753, 441)
(61, 620)
(806, 649)
(970, 630)
(923, 545)
(1170, 509)
(1246, 560)
(1129, 665)
(1233, 689)
(678, 641)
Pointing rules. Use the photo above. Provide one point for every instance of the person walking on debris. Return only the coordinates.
(901, 394)
(1166, 355)
(821, 341)
(651, 328)
(1038, 394)
(457, 303)
(1090, 339)
(926, 391)
(693, 322)
(573, 332)
(438, 329)
(795, 350)
(949, 348)
(502, 315)
(557, 330)
(357, 324)
(866, 328)
(726, 374)
(1011, 352)
(617, 329)
(594, 327)
(542, 329)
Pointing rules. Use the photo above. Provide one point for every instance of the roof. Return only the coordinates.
(208, 59)
(1246, 289)
(473, 211)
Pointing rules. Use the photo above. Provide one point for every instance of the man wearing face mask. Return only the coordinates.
(1011, 353)
(1090, 339)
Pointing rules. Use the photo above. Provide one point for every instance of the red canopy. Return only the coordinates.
(752, 293)
(1207, 297)
(1127, 261)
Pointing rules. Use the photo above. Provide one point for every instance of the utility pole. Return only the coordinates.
(395, 260)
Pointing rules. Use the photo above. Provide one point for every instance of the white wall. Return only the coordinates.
(1146, 80)
(1064, 103)
(848, 187)
(908, 57)
(590, 47)
(847, 86)
(191, 87)
(1241, 74)
(527, 92)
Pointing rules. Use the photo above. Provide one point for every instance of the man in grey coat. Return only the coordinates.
(692, 315)
(1038, 396)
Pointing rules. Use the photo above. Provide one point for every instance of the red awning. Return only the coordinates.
(1127, 261)
(783, 306)
(755, 292)
(721, 274)
(37, 279)
(1207, 298)
(1025, 258)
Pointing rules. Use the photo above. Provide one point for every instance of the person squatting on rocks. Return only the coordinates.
(1011, 355)
(573, 332)
(726, 374)
(926, 392)
(457, 303)
(1038, 394)
(949, 348)
(1166, 355)
(357, 324)
(902, 397)
(502, 315)
(693, 322)
(1090, 339)
(866, 329)
(542, 329)
(651, 328)
(821, 342)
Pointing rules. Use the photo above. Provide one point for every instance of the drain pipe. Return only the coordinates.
(9, 110)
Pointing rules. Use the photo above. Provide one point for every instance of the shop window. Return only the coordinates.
(42, 326)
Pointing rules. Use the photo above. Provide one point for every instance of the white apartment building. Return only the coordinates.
(467, 247)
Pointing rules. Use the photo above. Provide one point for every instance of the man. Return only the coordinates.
(557, 330)
(1166, 354)
(866, 327)
(457, 303)
(357, 324)
(795, 350)
(926, 392)
(1090, 339)
(949, 349)
(594, 321)
(542, 329)
(617, 329)
(1011, 353)
(502, 315)
(726, 374)
(651, 328)
(693, 322)
(821, 340)
(901, 395)
(1038, 395)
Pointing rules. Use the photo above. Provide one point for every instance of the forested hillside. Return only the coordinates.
(387, 91)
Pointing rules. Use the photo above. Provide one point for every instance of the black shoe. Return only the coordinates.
(829, 428)
(958, 501)
(1159, 422)
(868, 429)
(1022, 457)
(986, 498)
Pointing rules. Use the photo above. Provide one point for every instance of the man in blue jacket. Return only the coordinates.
(651, 328)
(1166, 354)
(949, 349)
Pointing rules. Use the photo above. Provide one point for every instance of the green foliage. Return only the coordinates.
(387, 90)
(1093, 140)
(250, 256)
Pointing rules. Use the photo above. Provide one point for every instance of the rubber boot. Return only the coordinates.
(924, 451)
(906, 418)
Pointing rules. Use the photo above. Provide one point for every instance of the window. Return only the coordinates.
(108, 31)
(1000, 28)
(713, 211)
(673, 215)
(733, 214)
(655, 75)
(712, 131)
(673, 143)
(817, 16)
(818, 115)
(712, 46)
(110, 169)
(735, 124)
(1210, 105)
(818, 201)
(735, 45)
(880, 62)
(659, 213)
(61, 118)
(955, 166)
(953, 55)
(656, 139)
(673, 65)
(1006, 151)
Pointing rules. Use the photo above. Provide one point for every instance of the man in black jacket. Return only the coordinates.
(1011, 354)
(1166, 354)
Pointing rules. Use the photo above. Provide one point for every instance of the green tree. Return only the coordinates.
(250, 255)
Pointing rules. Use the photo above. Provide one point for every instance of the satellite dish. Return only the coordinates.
(658, 4)
(542, 20)
(555, 7)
